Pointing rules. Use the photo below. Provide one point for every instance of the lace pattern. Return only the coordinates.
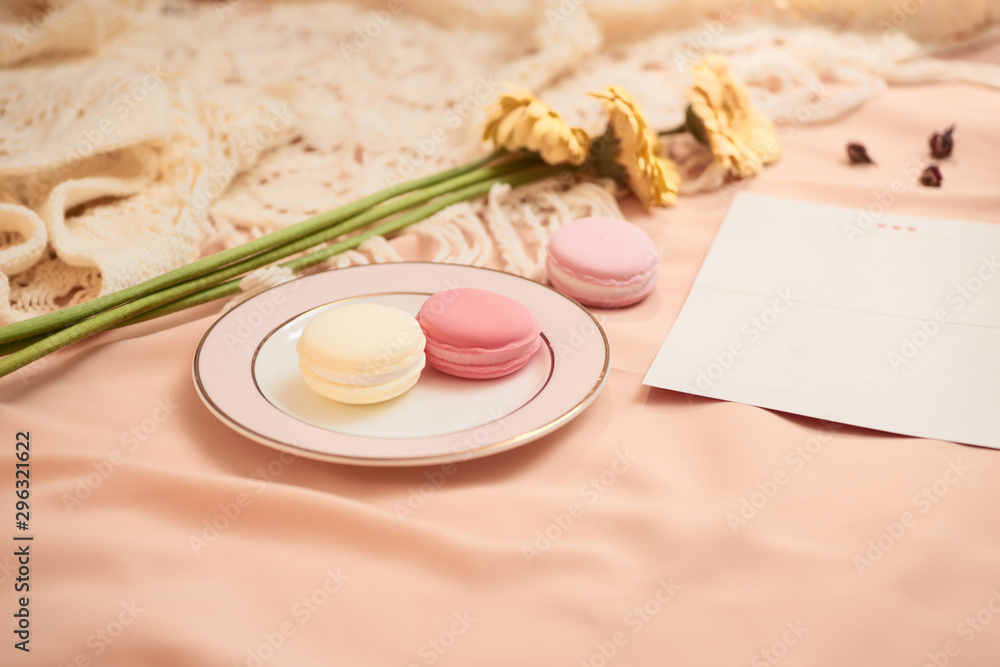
(137, 134)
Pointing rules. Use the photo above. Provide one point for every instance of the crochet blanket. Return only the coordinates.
(137, 135)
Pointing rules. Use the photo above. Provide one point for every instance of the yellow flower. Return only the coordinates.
(520, 120)
(741, 138)
(654, 179)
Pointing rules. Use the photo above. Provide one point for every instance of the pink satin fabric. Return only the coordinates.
(655, 529)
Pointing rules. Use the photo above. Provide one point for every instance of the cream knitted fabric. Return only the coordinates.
(137, 134)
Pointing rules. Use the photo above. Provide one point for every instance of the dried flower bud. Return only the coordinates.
(931, 177)
(942, 143)
(858, 154)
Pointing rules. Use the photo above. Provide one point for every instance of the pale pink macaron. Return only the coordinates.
(602, 262)
(474, 333)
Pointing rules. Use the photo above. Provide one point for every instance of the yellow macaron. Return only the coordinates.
(361, 352)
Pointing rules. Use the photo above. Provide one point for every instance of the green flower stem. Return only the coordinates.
(324, 235)
(74, 314)
(232, 287)
(125, 312)
(692, 123)
(20, 344)
(676, 130)
(489, 174)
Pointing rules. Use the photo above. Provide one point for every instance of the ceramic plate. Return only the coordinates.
(245, 370)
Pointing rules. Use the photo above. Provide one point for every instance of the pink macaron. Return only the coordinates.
(474, 333)
(602, 262)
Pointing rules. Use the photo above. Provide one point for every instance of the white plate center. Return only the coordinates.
(438, 404)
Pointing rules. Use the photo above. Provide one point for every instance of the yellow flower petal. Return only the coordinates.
(741, 138)
(558, 153)
(653, 179)
(519, 121)
(503, 137)
(521, 134)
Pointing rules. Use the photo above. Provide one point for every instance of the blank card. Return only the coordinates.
(890, 322)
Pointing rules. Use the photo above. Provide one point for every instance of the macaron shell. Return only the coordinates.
(477, 320)
(602, 262)
(478, 355)
(604, 249)
(372, 373)
(467, 327)
(372, 377)
(358, 337)
(599, 295)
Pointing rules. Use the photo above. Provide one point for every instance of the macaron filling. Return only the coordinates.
(368, 377)
(360, 394)
(466, 365)
(606, 290)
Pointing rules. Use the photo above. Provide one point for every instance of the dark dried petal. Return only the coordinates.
(858, 154)
(942, 143)
(931, 177)
(696, 126)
